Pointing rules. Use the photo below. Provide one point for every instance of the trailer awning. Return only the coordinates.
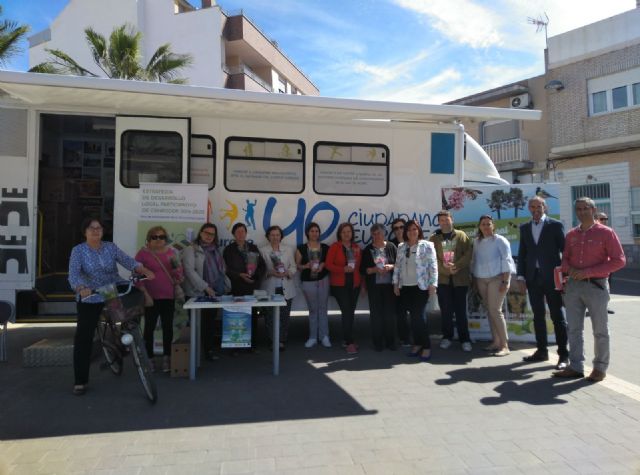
(116, 96)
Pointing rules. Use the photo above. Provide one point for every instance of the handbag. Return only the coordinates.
(178, 293)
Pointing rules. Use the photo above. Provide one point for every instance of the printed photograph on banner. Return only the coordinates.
(508, 206)
(236, 327)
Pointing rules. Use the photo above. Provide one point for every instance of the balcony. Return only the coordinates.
(509, 154)
(243, 77)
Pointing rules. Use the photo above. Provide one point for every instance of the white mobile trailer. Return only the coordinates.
(72, 146)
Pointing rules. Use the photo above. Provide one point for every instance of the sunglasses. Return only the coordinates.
(407, 252)
(398, 228)
(159, 236)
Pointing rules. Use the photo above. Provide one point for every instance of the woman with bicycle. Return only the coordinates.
(160, 293)
(204, 273)
(92, 265)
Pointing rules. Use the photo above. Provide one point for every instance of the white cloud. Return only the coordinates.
(461, 21)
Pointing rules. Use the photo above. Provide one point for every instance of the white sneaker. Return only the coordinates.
(311, 342)
(466, 346)
(445, 343)
(326, 342)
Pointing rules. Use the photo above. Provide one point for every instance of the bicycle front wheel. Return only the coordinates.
(108, 334)
(143, 365)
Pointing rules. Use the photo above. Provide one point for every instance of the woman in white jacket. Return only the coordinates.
(281, 268)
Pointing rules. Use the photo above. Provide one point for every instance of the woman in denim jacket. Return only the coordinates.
(415, 279)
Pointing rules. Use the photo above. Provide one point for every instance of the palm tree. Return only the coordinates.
(119, 58)
(10, 35)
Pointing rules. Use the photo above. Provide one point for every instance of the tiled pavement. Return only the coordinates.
(376, 413)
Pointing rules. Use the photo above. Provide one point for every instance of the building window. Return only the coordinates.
(500, 131)
(355, 169)
(599, 102)
(599, 192)
(635, 211)
(202, 165)
(262, 165)
(619, 97)
(150, 156)
(636, 93)
(614, 92)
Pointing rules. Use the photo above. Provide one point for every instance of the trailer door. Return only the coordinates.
(148, 149)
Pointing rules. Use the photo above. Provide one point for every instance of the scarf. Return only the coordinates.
(213, 269)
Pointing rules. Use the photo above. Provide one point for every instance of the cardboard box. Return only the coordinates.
(180, 355)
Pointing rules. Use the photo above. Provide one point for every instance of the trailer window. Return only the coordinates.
(350, 169)
(150, 156)
(203, 160)
(443, 153)
(264, 165)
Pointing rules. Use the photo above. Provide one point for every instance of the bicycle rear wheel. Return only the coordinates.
(112, 355)
(143, 365)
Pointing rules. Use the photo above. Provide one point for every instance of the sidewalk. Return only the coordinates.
(329, 413)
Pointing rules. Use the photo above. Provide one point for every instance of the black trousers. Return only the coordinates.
(163, 308)
(347, 299)
(382, 308)
(402, 322)
(88, 316)
(538, 292)
(414, 300)
(453, 301)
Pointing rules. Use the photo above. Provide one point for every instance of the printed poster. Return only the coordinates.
(508, 205)
(236, 327)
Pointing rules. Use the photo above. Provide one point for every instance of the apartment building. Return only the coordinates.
(589, 137)
(229, 50)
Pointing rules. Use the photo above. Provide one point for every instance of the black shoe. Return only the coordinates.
(562, 363)
(537, 356)
(610, 312)
(211, 356)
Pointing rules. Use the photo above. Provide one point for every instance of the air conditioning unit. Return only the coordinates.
(521, 101)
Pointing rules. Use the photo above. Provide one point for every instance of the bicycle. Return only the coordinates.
(119, 331)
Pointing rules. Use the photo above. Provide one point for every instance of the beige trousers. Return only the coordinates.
(492, 299)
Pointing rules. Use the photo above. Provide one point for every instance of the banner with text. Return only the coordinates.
(508, 205)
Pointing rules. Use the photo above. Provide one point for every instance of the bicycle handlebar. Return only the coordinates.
(110, 291)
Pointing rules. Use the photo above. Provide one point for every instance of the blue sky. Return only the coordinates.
(427, 51)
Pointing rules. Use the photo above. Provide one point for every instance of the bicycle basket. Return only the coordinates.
(126, 307)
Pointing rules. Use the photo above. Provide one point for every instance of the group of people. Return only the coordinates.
(400, 275)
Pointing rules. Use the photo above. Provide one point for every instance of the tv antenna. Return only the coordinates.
(541, 24)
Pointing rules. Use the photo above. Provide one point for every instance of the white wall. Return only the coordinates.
(617, 175)
(595, 39)
(67, 30)
(197, 33)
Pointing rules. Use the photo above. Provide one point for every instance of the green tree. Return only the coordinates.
(119, 57)
(10, 34)
(517, 200)
(499, 200)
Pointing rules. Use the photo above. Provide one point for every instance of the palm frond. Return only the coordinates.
(98, 47)
(164, 65)
(60, 59)
(10, 35)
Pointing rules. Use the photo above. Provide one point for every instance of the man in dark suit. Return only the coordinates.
(541, 245)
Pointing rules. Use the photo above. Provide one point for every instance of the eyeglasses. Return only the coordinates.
(210, 234)
(398, 228)
(95, 228)
(407, 253)
(159, 236)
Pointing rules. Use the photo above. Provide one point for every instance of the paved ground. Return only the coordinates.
(329, 413)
